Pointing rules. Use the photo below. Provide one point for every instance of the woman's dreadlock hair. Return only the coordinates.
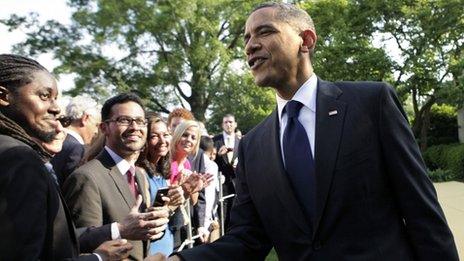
(17, 71)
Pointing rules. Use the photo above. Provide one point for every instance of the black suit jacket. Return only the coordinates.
(35, 223)
(222, 161)
(68, 159)
(374, 200)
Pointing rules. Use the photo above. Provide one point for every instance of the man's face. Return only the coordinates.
(176, 121)
(272, 49)
(34, 107)
(91, 127)
(125, 139)
(229, 125)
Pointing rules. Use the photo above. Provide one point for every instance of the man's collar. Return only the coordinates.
(225, 135)
(306, 94)
(75, 135)
(122, 164)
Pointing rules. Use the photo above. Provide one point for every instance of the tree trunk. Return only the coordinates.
(421, 124)
(425, 129)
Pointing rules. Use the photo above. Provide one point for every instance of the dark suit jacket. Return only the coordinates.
(68, 159)
(222, 161)
(374, 200)
(98, 194)
(35, 223)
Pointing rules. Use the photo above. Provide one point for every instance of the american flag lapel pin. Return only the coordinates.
(332, 113)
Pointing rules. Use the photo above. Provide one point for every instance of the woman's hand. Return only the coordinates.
(176, 196)
(192, 183)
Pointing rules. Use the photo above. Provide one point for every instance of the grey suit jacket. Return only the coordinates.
(97, 193)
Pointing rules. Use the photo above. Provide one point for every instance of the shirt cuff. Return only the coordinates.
(98, 256)
(115, 231)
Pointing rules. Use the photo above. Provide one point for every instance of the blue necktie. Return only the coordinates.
(299, 161)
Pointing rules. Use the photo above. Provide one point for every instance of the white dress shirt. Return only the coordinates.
(229, 140)
(210, 191)
(306, 94)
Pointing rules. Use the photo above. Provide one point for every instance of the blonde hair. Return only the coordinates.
(177, 135)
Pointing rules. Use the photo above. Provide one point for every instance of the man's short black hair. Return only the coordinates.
(119, 99)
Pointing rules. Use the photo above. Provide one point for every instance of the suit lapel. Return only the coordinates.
(235, 155)
(222, 142)
(118, 178)
(328, 134)
(142, 188)
(276, 172)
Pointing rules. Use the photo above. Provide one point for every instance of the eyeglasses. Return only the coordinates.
(65, 121)
(127, 121)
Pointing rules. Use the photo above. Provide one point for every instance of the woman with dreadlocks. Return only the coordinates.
(34, 221)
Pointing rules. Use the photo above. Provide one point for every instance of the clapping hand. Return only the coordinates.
(176, 196)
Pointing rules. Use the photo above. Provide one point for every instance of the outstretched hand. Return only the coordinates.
(114, 250)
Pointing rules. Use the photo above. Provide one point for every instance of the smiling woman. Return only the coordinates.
(185, 141)
(28, 94)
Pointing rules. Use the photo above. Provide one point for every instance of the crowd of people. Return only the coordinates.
(104, 166)
(333, 173)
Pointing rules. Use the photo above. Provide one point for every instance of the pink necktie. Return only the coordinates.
(131, 181)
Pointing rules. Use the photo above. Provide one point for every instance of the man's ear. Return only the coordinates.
(84, 119)
(4, 97)
(103, 128)
(309, 40)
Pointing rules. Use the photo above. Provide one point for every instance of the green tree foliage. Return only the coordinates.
(172, 53)
(344, 49)
(445, 161)
(190, 53)
(430, 36)
(443, 128)
(249, 105)
(428, 33)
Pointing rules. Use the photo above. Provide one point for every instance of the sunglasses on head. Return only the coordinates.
(65, 121)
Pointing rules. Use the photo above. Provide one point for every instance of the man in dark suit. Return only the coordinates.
(83, 113)
(106, 189)
(226, 145)
(334, 172)
(35, 223)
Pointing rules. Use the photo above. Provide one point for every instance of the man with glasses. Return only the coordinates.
(108, 189)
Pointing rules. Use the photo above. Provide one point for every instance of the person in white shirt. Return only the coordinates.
(211, 191)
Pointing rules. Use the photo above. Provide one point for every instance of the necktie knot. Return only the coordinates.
(293, 108)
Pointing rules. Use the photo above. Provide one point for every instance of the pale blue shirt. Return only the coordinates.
(306, 94)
